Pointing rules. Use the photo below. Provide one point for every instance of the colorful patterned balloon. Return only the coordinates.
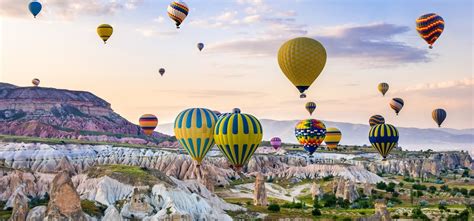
(397, 104)
(383, 137)
(333, 136)
(310, 133)
(439, 115)
(310, 107)
(376, 119)
(178, 11)
(238, 136)
(148, 123)
(275, 142)
(430, 26)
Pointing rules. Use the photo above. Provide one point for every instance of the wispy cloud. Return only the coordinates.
(153, 32)
(67, 9)
(463, 83)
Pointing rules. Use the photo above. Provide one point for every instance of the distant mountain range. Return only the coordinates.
(356, 134)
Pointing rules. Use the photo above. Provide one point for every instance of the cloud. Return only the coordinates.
(372, 42)
(149, 32)
(160, 19)
(463, 83)
(67, 9)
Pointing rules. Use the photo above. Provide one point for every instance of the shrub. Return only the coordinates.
(329, 200)
(381, 185)
(445, 188)
(432, 189)
(401, 184)
(328, 178)
(464, 191)
(93, 209)
(274, 207)
(396, 216)
(419, 187)
(418, 214)
(471, 192)
(423, 203)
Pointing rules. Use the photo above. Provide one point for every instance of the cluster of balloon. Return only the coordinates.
(275, 142)
(383, 88)
(105, 31)
(310, 107)
(310, 133)
(302, 60)
(162, 71)
(333, 136)
(383, 137)
(148, 123)
(200, 46)
(35, 8)
(194, 129)
(178, 11)
(396, 104)
(376, 119)
(439, 115)
(35, 82)
(430, 26)
(237, 136)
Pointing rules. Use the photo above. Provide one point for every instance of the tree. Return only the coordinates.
(274, 207)
(463, 191)
(471, 192)
(329, 200)
(401, 184)
(432, 189)
(465, 173)
(445, 188)
(418, 214)
(390, 187)
(316, 208)
(381, 185)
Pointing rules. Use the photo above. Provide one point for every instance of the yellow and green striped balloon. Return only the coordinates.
(383, 137)
(238, 136)
(194, 129)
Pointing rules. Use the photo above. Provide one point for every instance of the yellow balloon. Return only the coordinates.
(302, 60)
(333, 136)
(105, 31)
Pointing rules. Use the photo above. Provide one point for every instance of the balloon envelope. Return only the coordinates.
(310, 133)
(200, 46)
(148, 123)
(383, 137)
(310, 107)
(275, 142)
(194, 129)
(162, 71)
(302, 60)
(383, 88)
(397, 104)
(430, 26)
(105, 31)
(333, 136)
(376, 119)
(238, 136)
(35, 8)
(178, 11)
(439, 115)
(35, 82)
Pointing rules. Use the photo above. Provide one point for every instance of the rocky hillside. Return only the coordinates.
(58, 113)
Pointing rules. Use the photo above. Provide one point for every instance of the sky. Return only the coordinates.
(367, 42)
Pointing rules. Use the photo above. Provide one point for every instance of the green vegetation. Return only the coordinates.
(93, 209)
(274, 207)
(4, 214)
(128, 174)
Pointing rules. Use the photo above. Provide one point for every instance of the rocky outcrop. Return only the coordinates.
(260, 193)
(58, 113)
(111, 213)
(346, 189)
(19, 203)
(381, 212)
(139, 205)
(64, 203)
(37, 214)
(367, 189)
(419, 166)
(314, 171)
(316, 191)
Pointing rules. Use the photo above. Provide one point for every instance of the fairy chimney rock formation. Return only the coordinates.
(19, 204)
(64, 203)
(260, 194)
(316, 191)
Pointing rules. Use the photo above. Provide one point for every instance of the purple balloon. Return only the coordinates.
(275, 142)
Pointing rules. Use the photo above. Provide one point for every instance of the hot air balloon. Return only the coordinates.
(376, 119)
(194, 129)
(310, 133)
(35, 8)
(236, 110)
(148, 123)
(439, 115)
(396, 104)
(302, 60)
(430, 26)
(178, 11)
(162, 71)
(333, 136)
(200, 46)
(383, 137)
(310, 107)
(35, 82)
(275, 142)
(238, 136)
(105, 31)
(383, 88)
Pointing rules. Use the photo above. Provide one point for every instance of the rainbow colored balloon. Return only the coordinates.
(275, 142)
(310, 133)
(148, 123)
